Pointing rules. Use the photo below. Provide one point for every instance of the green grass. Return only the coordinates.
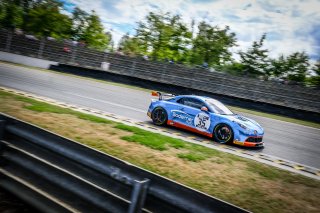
(264, 171)
(194, 152)
(150, 139)
(192, 156)
(272, 173)
(38, 106)
(257, 200)
(161, 142)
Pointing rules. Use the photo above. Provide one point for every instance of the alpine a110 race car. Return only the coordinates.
(205, 116)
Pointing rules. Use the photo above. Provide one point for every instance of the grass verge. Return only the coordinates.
(237, 109)
(248, 184)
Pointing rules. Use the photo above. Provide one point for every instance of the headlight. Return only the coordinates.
(242, 126)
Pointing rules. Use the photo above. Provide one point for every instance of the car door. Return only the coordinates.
(192, 116)
(179, 114)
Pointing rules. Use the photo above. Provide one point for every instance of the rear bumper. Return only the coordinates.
(149, 114)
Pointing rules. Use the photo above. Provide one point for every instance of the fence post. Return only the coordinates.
(133, 67)
(74, 54)
(42, 43)
(138, 196)
(163, 73)
(2, 146)
(9, 39)
(106, 57)
(2, 126)
(194, 76)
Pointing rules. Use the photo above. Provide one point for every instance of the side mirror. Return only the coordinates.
(204, 109)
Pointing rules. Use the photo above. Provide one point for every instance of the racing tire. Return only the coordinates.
(223, 133)
(159, 116)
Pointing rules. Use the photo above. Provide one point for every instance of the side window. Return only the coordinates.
(193, 103)
(181, 101)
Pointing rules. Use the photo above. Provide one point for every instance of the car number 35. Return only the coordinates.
(202, 121)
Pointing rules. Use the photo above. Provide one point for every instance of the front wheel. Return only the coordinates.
(223, 133)
(159, 116)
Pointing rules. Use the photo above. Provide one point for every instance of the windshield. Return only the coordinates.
(218, 107)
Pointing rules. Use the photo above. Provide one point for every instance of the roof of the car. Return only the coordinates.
(203, 98)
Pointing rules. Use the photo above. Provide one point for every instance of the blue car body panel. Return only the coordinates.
(246, 131)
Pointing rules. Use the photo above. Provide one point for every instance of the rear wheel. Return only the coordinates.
(223, 133)
(159, 116)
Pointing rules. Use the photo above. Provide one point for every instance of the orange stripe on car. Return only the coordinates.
(191, 129)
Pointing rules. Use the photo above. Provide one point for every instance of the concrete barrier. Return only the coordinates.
(25, 60)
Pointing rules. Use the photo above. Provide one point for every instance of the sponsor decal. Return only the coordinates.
(182, 116)
(202, 121)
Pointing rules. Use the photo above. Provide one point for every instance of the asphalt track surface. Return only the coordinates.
(282, 139)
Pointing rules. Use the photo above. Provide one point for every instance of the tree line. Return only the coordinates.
(45, 18)
(161, 37)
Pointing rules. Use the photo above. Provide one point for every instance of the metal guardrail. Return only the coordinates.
(295, 97)
(55, 174)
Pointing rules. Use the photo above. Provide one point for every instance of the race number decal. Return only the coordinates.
(202, 121)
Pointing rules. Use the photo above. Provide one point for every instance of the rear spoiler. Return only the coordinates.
(160, 95)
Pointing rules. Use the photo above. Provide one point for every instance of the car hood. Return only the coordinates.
(249, 123)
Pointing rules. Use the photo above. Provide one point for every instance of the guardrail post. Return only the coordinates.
(138, 195)
(133, 66)
(194, 76)
(2, 126)
(40, 52)
(163, 73)
(105, 57)
(74, 54)
(9, 39)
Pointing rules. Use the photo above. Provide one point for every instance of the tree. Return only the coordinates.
(110, 44)
(45, 19)
(3, 12)
(211, 45)
(297, 66)
(315, 79)
(80, 20)
(278, 67)
(163, 36)
(94, 35)
(293, 67)
(255, 60)
(11, 14)
(130, 45)
(233, 68)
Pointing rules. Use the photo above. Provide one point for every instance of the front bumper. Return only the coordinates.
(250, 142)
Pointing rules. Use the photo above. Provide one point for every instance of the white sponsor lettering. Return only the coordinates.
(185, 118)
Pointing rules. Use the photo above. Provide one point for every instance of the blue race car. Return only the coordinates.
(205, 116)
